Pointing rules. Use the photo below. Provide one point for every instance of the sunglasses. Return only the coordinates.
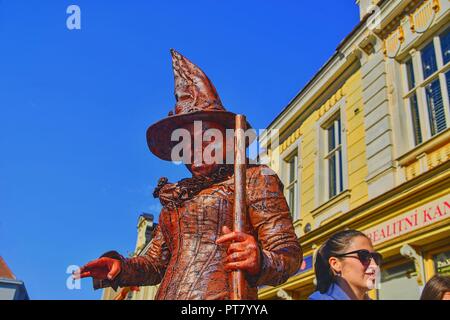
(364, 256)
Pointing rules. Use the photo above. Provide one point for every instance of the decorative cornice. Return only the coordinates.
(421, 19)
(331, 102)
(396, 21)
(290, 140)
(393, 42)
(419, 15)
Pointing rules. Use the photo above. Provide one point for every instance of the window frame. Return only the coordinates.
(321, 176)
(292, 184)
(336, 123)
(286, 156)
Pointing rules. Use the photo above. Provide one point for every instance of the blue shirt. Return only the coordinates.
(334, 293)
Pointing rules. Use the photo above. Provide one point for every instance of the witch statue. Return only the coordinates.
(195, 248)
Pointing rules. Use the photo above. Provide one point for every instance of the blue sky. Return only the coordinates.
(75, 171)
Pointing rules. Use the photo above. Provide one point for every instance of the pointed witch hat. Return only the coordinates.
(196, 99)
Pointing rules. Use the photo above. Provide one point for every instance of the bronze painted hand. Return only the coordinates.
(100, 269)
(242, 253)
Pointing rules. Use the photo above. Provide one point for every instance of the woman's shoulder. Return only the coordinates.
(320, 296)
(334, 292)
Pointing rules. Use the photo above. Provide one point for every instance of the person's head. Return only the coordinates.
(213, 144)
(349, 255)
(438, 288)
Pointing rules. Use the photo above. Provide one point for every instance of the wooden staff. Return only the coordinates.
(240, 168)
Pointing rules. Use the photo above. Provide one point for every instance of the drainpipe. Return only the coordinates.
(409, 252)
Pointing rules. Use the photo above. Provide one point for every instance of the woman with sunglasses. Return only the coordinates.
(346, 267)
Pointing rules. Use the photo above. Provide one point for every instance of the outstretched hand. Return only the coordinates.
(100, 269)
(242, 253)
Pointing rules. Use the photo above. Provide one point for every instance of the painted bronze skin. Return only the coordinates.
(194, 249)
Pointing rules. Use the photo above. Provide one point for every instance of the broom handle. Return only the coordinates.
(240, 168)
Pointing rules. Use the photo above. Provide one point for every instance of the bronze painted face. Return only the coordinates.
(211, 151)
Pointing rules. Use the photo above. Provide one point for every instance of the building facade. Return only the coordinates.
(145, 229)
(366, 145)
(11, 288)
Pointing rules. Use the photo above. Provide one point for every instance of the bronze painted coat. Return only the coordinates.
(186, 261)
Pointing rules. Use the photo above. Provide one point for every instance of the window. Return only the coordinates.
(435, 106)
(429, 64)
(292, 182)
(333, 157)
(399, 282)
(447, 77)
(413, 103)
(442, 263)
(331, 194)
(427, 82)
(416, 119)
(445, 45)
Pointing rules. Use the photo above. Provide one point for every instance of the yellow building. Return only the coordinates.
(366, 145)
(145, 228)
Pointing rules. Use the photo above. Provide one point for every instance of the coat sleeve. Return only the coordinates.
(144, 270)
(268, 211)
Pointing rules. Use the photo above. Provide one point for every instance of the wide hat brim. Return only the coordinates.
(159, 134)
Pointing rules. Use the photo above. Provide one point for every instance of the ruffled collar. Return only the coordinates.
(172, 195)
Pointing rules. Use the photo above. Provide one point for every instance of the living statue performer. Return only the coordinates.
(194, 250)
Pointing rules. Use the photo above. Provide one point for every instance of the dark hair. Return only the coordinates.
(435, 288)
(336, 244)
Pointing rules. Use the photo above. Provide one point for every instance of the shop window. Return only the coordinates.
(442, 263)
(399, 283)
(427, 84)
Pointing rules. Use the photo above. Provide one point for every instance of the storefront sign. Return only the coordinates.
(409, 221)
